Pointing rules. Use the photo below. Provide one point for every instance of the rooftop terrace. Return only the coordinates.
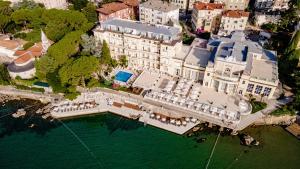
(160, 32)
(159, 5)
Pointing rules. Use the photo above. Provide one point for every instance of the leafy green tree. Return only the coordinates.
(27, 45)
(79, 4)
(58, 54)
(90, 46)
(54, 81)
(4, 75)
(76, 72)
(27, 4)
(44, 66)
(92, 83)
(4, 21)
(61, 22)
(290, 17)
(5, 8)
(90, 12)
(29, 18)
(123, 61)
(105, 58)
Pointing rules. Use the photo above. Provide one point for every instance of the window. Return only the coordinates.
(241, 92)
(208, 74)
(267, 91)
(250, 88)
(206, 83)
(227, 72)
(258, 89)
(243, 82)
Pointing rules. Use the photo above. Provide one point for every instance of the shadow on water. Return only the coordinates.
(110, 121)
(30, 122)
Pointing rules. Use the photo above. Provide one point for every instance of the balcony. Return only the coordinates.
(230, 77)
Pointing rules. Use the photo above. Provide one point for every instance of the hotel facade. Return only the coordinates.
(230, 65)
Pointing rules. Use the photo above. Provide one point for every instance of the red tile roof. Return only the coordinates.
(112, 8)
(236, 13)
(207, 6)
(26, 55)
(132, 3)
(10, 44)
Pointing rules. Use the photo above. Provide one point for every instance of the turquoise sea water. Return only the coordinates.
(111, 142)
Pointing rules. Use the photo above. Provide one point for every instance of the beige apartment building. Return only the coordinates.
(181, 4)
(158, 12)
(233, 20)
(206, 16)
(234, 4)
(271, 5)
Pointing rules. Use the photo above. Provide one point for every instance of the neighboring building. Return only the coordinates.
(149, 47)
(134, 5)
(281, 5)
(158, 12)
(115, 10)
(240, 66)
(233, 21)
(8, 47)
(263, 18)
(234, 4)
(271, 5)
(206, 16)
(23, 65)
(181, 4)
(58, 4)
(191, 3)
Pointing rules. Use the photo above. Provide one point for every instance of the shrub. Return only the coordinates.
(22, 87)
(4, 76)
(257, 106)
(28, 45)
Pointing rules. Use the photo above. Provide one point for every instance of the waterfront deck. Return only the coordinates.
(294, 129)
(119, 107)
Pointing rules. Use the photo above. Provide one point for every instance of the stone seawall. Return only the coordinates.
(276, 120)
(8, 90)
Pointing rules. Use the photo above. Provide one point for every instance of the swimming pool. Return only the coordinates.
(123, 76)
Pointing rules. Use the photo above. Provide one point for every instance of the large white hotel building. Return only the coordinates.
(233, 65)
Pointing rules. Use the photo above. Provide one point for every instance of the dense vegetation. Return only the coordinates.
(285, 40)
(74, 59)
(4, 76)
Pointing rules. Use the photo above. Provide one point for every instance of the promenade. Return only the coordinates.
(9, 90)
(104, 100)
(100, 95)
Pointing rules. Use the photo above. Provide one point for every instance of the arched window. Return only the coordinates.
(227, 70)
